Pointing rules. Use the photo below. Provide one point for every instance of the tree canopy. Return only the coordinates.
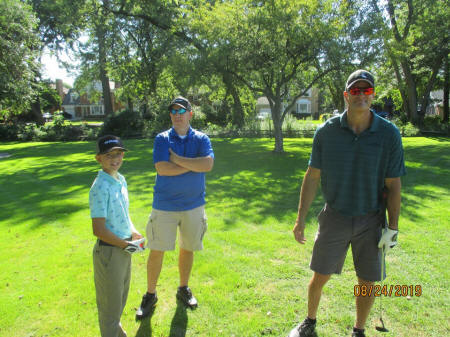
(19, 53)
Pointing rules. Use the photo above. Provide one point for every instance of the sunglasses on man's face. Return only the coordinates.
(357, 91)
(181, 111)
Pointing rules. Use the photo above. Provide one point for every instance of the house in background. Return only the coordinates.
(305, 106)
(436, 106)
(84, 107)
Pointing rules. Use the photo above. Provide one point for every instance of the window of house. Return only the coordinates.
(303, 106)
(97, 110)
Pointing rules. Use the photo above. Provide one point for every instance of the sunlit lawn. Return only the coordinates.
(250, 280)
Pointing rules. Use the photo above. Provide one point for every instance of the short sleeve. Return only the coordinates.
(206, 147)
(98, 202)
(315, 159)
(396, 162)
(161, 149)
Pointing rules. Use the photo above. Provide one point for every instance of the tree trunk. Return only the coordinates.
(130, 104)
(276, 108)
(36, 112)
(107, 100)
(237, 112)
(411, 92)
(446, 84)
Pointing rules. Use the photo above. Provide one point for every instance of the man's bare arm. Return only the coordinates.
(393, 202)
(307, 195)
(165, 168)
(199, 164)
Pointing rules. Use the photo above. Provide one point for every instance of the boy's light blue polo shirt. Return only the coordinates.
(185, 191)
(353, 167)
(108, 198)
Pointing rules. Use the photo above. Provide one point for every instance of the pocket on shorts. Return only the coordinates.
(104, 254)
(204, 225)
(150, 229)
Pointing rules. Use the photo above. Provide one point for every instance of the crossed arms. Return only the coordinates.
(178, 165)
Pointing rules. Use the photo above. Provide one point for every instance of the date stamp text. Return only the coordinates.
(393, 290)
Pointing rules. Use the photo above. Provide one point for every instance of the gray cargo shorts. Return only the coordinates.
(336, 232)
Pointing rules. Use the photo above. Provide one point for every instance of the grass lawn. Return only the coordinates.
(251, 278)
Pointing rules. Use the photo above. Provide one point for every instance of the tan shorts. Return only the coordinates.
(162, 229)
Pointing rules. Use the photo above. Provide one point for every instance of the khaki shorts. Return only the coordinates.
(337, 232)
(162, 229)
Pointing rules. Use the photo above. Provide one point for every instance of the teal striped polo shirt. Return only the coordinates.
(353, 167)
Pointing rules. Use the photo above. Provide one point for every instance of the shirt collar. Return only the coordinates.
(189, 133)
(108, 177)
(374, 126)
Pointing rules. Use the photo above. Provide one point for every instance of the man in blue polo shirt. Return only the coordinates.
(355, 157)
(181, 156)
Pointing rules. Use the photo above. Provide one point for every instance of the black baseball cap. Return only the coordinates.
(108, 143)
(360, 75)
(182, 102)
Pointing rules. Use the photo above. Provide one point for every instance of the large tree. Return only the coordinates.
(19, 53)
(416, 42)
(276, 48)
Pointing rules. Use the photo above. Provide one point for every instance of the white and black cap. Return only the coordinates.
(360, 75)
(182, 102)
(108, 143)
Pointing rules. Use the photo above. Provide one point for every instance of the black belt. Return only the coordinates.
(103, 243)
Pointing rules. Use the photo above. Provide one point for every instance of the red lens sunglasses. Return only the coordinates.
(357, 91)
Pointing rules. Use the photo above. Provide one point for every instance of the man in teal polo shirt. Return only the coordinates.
(355, 157)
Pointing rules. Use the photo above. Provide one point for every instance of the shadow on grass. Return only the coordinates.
(179, 323)
(427, 172)
(53, 180)
(248, 183)
(145, 329)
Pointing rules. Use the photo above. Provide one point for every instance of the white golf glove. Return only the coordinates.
(135, 246)
(388, 239)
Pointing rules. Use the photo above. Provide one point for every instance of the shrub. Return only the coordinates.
(198, 120)
(124, 124)
(324, 117)
(8, 131)
(433, 123)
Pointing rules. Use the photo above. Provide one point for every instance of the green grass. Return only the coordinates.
(251, 278)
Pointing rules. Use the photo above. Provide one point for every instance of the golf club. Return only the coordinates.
(381, 328)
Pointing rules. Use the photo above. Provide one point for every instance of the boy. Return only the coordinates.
(112, 225)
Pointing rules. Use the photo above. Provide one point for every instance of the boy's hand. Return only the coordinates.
(135, 236)
(135, 246)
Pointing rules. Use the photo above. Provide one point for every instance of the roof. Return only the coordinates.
(72, 98)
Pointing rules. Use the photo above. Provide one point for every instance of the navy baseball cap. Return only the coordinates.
(360, 75)
(182, 102)
(108, 143)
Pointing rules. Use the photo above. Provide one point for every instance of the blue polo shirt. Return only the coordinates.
(353, 167)
(185, 191)
(108, 198)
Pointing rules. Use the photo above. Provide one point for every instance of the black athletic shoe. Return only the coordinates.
(358, 333)
(304, 329)
(184, 294)
(147, 305)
